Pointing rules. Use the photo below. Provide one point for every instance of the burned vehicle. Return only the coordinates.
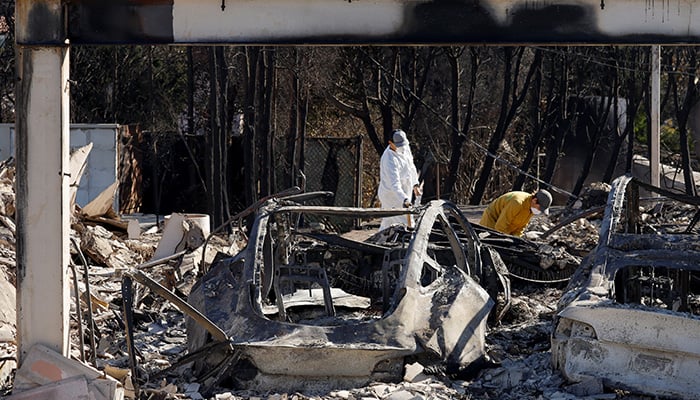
(307, 302)
(629, 316)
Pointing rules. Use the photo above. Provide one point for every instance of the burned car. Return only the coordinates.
(629, 316)
(313, 300)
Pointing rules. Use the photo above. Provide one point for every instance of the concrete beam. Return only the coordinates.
(383, 21)
(43, 214)
(39, 22)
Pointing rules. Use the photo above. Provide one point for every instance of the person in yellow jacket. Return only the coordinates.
(511, 212)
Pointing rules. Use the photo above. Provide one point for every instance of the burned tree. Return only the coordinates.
(512, 96)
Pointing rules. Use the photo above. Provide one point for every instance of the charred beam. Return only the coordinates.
(383, 21)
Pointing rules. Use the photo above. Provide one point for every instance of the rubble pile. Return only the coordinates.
(519, 368)
(8, 277)
(553, 245)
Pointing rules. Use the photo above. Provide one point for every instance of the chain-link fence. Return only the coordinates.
(335, 165)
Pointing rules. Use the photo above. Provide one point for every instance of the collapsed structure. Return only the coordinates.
(304, 304)
(313, 299)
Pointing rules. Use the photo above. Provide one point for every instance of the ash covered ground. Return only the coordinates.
(518, 346)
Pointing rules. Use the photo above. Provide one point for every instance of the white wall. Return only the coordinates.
(102, 163)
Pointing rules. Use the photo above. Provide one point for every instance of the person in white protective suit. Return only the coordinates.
(398, 179)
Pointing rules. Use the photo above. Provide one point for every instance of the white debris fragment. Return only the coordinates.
(414, 373)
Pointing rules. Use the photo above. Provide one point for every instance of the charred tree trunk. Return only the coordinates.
(302, 137)
(682, 109)
(217, 143)
(418, 68)
(457, 137)
(532, 151)
(265, 89)
(209, 162)
(635, 94)
(221, 146)
(460, 127)
(642, 94)
(292, 159)
(561, 125)
(250, 155)
(190, 91)
(262, 128)
(594, 130)
(385, 89)
(511, 100)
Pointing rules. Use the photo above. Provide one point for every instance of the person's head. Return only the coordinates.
(541, 201)
(399, 142)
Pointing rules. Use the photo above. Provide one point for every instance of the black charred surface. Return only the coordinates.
(470, 21)
(630, 242)
(425, 22)
(120, 21)
(45, 27)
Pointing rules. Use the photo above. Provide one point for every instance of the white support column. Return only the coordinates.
(655, 122)
(42, 152)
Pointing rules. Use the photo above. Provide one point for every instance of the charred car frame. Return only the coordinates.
(630, 314)
(304, 303)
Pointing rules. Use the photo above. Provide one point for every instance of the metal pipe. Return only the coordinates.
(77, 311)
(216, 332)
(128, 306)
(86, 276)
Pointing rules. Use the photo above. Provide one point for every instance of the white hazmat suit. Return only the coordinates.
(397, 177)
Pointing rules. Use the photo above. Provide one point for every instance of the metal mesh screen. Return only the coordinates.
(335, 165)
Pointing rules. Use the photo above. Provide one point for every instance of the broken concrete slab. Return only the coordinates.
(74, 388)
(44, 366)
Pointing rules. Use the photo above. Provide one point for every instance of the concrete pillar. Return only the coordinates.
(43, 215)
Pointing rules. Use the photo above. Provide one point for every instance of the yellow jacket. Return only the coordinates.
(510, 213)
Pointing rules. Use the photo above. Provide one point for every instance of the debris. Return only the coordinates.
(182, 231)
(78, 162)
(518, 347)
(403, 395)
(530, 260)
(629, 315)
(421, 288)
(414, 373)
(133, 229)
(102, 204)
(74, 388)
(588, 386)
(43, 366)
